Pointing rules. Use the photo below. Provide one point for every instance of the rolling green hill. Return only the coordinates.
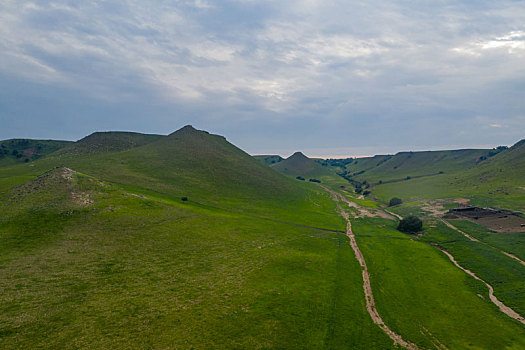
(110, 141)
(300, 165)
(16, 151)
(494, 181)
(104, 253)
(414, 164)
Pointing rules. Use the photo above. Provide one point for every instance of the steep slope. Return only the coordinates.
(16, 151)
(414, 164)
(300, 165)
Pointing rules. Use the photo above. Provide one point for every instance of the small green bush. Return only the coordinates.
(395, 201)
(410, 224)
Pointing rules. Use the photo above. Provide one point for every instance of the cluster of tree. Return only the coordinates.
(300, 178)
(395, 201)
(336, 162)
(314, 180)
(492, 153)
(410, 224)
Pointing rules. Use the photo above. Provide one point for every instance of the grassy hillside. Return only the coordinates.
(16, 151)
(424, 297)
(110, 141)
(495, 181)
(414, 164)
(268, 159)
(87, 263)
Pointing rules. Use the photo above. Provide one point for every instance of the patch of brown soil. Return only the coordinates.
(81, 198)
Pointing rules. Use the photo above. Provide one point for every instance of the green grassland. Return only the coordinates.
(497, 180)
(108, 255)
(421, 295)
(403, 164)
(136, 272)
(510, 243)
(506, 275)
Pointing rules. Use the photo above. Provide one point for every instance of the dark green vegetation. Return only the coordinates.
(394, 201)
(23, 150)
(410, 224)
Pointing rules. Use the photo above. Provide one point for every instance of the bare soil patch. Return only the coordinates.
(499, 220)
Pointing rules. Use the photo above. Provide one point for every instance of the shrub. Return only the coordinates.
(410, 224)
(395, 201)
(300, 178)
(184, 199)
(366, 193)
(314, 180)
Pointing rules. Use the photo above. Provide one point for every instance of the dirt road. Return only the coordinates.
(367, 287)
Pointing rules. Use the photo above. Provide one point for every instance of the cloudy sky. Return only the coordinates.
(331, 78)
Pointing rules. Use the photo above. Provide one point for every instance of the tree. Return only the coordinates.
(395, 201)
(410, 224)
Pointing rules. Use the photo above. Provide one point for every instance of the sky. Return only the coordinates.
(329, 78)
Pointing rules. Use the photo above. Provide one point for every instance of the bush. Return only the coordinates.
(395, 201)
(366, 193)
(184, 199)
(300, 178)
(315, 180)
(410, 224)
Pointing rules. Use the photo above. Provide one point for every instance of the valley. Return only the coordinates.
(128, 240)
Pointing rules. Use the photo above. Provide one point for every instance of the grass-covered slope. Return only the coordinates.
(16, 151)
(413, 164)
(89, 264)
(268, 159)
(109, 141)
(495, 181)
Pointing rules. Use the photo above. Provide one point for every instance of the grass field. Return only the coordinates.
(425, 298)
(133, 272)
(506, 275)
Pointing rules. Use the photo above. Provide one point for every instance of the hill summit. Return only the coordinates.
(300, 165)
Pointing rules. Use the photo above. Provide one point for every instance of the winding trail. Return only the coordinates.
(457, 229)
(512, 256)
(503, 308)
(367, 287)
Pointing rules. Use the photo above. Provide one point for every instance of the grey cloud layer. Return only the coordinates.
(316, 69)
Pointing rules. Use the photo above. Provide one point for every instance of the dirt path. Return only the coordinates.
(503, 308)
(512, 256)
(367, 287)
(457, 229)
(362, 211)
(394, 214)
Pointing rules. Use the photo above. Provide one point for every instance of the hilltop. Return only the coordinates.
(300, 165)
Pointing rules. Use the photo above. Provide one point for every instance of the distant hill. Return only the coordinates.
(415, 164)
(16, 151)
(300, 165)
(268, 159)
(188, 162)
(110, 141)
